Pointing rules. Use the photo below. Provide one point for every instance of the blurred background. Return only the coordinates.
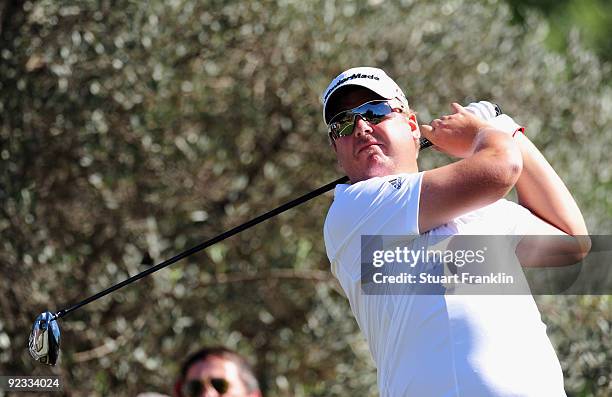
(130, 131)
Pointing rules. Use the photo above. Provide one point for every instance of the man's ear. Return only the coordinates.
(414, 126)
(332, 143)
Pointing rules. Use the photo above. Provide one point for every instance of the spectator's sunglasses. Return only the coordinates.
(195, 388)
(343, 124)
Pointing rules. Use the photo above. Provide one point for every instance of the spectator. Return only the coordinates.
(216, 371)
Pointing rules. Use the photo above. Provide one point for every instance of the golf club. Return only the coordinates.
(44, 340)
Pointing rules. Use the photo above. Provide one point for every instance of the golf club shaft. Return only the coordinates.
(205, 244)
(424, 143)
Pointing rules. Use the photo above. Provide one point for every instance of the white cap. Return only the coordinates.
(373, 79)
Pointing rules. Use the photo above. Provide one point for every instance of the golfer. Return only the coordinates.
(442, 345)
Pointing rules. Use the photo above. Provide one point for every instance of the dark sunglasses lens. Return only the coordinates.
(375, 112)
(220, 385)
(338, 129)
(193, 388)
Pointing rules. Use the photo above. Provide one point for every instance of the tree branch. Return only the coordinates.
(277, 274)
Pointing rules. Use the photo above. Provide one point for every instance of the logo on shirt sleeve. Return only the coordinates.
(396, 183)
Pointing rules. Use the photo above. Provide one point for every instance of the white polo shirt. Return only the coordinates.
(439, 345)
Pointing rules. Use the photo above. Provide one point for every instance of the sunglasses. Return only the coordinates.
(373, 112)
(195, 388)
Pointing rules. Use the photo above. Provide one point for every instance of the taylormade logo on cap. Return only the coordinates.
(373, 79)
(351, 77)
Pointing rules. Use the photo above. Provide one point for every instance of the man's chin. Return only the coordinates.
(379, 171)
(375, 169)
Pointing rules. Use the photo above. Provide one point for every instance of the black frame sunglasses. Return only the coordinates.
(195, 387)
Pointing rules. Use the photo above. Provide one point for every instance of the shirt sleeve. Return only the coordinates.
(378, 206)
(509, 218)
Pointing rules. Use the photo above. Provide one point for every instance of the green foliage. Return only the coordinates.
(133, 130)
(592, 19)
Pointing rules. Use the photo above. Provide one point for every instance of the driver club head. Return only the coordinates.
(44, 343)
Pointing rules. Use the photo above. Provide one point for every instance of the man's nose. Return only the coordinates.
(362, 127)
(210, 391)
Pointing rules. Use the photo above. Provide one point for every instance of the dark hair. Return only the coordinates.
(245, 372)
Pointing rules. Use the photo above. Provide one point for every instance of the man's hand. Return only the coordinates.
(454, 134)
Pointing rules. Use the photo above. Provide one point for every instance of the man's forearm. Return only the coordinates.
(486, 175)
(541, 190)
